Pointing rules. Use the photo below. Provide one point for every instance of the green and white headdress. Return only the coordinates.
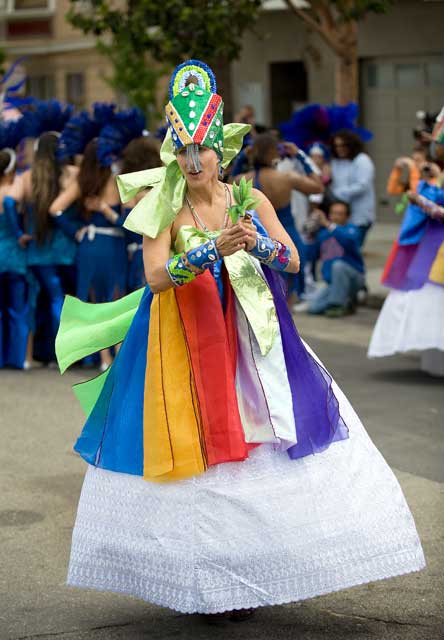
(195, 118)
(195, 111)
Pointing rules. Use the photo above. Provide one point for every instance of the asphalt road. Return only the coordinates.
(40, 481)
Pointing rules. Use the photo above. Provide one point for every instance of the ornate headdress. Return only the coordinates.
(194, 118)
(195, 111)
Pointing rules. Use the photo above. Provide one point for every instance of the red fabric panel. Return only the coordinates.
(213, 364)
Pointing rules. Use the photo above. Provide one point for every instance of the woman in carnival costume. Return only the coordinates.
(13, 288)
(102, 255)
(411, 318)
(49, 250)
(203, 493)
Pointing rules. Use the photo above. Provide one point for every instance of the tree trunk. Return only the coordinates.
(346, 79)
(346, 64)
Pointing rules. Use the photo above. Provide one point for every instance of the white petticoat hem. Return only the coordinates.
(409, 321)
(289, 590)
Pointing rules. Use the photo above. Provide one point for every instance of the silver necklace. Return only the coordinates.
(198, 220)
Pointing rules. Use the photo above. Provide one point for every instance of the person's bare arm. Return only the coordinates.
(305, 184)
(275, 230)
(65, 198)
(156, 252)
(18, 188)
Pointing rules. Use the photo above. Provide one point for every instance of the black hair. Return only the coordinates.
(344, 204)
(351, 140)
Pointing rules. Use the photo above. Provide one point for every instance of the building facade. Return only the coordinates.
(60, 61)
(401, 72)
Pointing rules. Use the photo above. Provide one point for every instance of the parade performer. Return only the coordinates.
(411, 317)
(13, 288)
(278, 187)
(49, 250)
(227, 469)
(140, 154)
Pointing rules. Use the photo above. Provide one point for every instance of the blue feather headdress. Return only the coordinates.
(13, 81)
(113, 138)
(84, 127)
(11, 134)
(317, 123)
(45, 115)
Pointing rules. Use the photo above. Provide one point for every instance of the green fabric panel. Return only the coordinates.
(87, 328)
(88, 392)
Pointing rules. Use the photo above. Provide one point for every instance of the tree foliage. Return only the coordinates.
(136, 33)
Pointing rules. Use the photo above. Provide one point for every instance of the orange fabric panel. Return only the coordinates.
(172, 432)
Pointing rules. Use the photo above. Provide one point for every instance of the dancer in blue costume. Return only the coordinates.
(51, 253)
(13, 288)
(278, 185)
(140, 154)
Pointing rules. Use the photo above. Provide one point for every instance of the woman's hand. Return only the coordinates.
(80, 234)
(24, 239)
(232, 240)
(249, 227)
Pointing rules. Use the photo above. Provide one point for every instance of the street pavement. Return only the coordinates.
(40, 481)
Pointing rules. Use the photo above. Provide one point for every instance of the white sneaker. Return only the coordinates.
(300, 307)
(104, 366)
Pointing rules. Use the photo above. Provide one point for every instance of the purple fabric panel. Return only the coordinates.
(396, 275)
(315, 406)
(419, 270)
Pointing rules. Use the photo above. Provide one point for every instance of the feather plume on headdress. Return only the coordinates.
(84, 127)
(114, 137)
(317, 123)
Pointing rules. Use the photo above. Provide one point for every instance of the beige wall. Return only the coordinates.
(66, 51)
(411, 27)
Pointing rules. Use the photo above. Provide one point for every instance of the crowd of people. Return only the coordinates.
(61, 215)
(61, 220)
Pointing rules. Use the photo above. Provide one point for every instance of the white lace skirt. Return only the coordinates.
(409, 321)
(247, 534)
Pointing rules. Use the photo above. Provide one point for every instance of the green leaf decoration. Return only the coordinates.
(243, 198)
(402, 205)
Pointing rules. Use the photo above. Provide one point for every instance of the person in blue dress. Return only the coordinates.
(51, 253)
(278, 186)
(140, 154)
(13, 287)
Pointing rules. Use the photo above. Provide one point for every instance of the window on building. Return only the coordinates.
(41, 87)
(435, 74)
(75, 89)
(26, 8)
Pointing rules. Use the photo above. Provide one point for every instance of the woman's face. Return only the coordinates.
(341, 148)
(208, 166)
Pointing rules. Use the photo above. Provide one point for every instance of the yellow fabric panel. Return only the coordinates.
(172, 430)
(437, 270)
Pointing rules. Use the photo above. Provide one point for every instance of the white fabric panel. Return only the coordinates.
(263, 390)
(409, 321)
